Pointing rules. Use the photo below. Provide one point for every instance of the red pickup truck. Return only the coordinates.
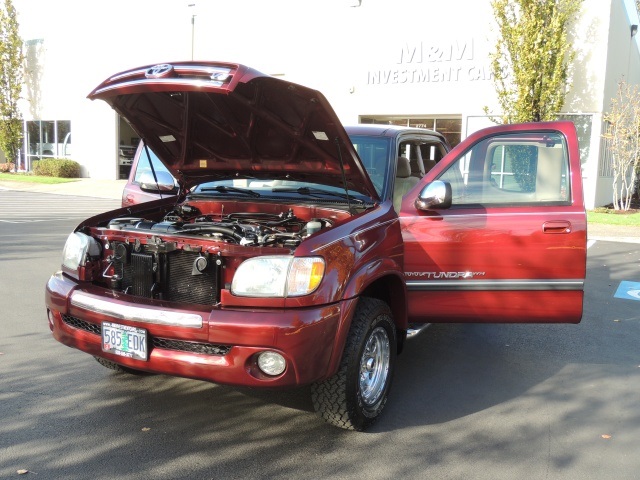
(300, 252)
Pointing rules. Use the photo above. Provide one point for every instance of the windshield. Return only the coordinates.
(374, 153)
(276, 188)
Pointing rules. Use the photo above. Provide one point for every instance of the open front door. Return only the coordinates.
(512, 245)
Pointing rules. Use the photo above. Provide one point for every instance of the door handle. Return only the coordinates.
(556, 226)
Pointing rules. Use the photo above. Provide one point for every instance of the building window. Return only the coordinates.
(450, 127)
(46, 139)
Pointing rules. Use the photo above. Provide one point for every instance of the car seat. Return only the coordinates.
(403, 182)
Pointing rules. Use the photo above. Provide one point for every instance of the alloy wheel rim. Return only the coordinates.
(374, 366)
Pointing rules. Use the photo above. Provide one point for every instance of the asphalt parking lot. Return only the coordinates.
(468, 401)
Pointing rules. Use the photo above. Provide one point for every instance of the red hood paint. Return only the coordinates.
(208, 120)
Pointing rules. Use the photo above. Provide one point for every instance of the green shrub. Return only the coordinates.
(56, 167)
(6, 167)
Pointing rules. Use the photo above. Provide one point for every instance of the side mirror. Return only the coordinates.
(434, 195)
(165, 182)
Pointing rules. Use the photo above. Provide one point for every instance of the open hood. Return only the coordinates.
(206, 120)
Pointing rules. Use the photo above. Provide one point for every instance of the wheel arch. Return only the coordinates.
(382, 279)
(374, 280)
(393, 291)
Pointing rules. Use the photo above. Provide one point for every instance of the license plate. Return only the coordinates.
(130, 342)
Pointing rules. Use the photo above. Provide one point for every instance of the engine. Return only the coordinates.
(247, 229)
(164, 269)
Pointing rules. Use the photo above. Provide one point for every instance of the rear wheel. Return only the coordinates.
(354, 397)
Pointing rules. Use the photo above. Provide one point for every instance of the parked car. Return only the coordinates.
(297, 252)
(148, 178)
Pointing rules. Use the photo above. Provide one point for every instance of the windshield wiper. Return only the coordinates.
(316, 192)
(227, 189)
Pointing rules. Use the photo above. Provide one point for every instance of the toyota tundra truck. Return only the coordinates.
(298, 251)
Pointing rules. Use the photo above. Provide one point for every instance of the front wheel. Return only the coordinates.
(354, 397)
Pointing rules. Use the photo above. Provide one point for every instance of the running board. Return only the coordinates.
(416, 329)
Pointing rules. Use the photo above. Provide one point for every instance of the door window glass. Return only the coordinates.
(514, 169)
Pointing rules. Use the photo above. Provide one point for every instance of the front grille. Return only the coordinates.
(193, 347)
(156, 342)
(81, 324)
(168, 275)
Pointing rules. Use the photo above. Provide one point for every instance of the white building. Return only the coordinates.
(412, 62)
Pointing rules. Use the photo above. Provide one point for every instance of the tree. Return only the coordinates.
(530, 64)
(623, 136)
(11, 60)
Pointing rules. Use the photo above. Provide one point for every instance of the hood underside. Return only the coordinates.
(208, 120)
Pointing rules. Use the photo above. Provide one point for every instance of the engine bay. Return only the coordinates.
(258, 229)
(187, 253)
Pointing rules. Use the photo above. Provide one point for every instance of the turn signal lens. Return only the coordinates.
(305, 275)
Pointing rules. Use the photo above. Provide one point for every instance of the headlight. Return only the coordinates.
(278, 276)
(77, 249)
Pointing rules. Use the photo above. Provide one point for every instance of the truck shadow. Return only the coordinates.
(456, 370)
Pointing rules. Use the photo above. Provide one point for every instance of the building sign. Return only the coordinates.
(424, 62)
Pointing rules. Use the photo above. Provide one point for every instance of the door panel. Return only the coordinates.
(512, 247)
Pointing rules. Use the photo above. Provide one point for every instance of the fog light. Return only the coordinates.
(271, 363)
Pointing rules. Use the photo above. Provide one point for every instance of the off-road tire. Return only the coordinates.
(340, 400)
